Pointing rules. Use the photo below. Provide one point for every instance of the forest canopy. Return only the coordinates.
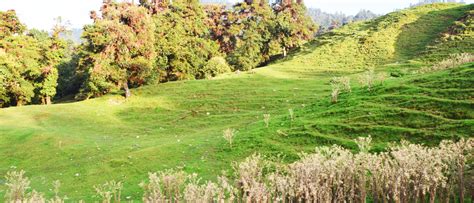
(28, 62)
(129, 45)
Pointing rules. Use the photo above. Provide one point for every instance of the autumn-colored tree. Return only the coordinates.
(10, 24)
(219, 24)
(156, 6)
(118, 50)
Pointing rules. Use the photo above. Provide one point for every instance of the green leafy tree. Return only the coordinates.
(293, 27)
(52, 49)
(19, 65)
(117, 51)
(27, 62)
(19, 61)
(182, 41)
(250, 34)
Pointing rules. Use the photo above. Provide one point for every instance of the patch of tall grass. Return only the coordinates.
(405, 173)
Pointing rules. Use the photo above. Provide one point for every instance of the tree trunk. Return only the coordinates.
(284, 52)
(19, 102)
(432, 195)
(48, 100)
(127, 90)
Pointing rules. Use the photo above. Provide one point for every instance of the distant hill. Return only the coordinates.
(333, 20)
(424, 2)
(323, 19)
(74, 35)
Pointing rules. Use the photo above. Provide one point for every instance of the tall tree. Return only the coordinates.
(293, 26)
(117, 50)
(19, 61)
(249, 34)
(53, 50)
(182, 40)
(20, 67)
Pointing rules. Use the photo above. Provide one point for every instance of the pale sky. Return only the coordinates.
(41, 13)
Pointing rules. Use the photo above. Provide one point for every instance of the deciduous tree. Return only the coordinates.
(118, 50)
(293, 27)
(250, 34)
(182, 41)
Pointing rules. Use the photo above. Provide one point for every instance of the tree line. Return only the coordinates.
(129, 45)
(28, 62)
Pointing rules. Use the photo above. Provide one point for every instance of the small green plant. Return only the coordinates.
(229, 135)
(266, 119)
(364, 143)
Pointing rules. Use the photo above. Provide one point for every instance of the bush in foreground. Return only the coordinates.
(405, 173)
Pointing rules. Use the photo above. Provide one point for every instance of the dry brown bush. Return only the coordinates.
(404, 173)
(451, 62)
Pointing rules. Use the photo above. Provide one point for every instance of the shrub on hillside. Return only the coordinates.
(339, 84)
(369, 79)
(342, 83)
(214, 67)
(451, 62)
(229, 135)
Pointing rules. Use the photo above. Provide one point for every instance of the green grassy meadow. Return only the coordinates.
(178, 125)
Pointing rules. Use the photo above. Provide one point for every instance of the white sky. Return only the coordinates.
(41, 13)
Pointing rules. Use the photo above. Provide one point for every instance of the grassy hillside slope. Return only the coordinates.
(180, 124)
